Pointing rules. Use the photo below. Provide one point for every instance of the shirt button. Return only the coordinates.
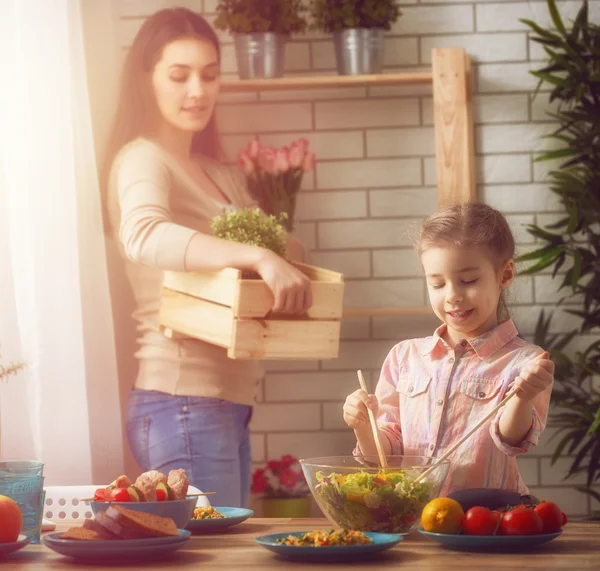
(451, 360)
(185, 409)
(463, 343)
(440, 402)
(410, 389)
(481, 395)
(431, 447)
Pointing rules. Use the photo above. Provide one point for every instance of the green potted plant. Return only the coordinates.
(572, 244)
(283, 488)
(358, 28)
(260, 29)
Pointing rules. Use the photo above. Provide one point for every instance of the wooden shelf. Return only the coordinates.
(325, 82)
(385, 311)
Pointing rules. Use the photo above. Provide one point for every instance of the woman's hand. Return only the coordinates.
(290, 287)
(356, 414)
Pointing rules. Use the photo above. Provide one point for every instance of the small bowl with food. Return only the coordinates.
(355, 493)
(152, 492)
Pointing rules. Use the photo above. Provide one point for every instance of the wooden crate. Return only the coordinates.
(226, 310)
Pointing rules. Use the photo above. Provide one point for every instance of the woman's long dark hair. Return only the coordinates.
(136, 101)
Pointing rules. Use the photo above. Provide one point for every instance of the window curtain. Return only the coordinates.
(55, 310)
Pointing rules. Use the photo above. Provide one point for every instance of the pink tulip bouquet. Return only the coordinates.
(274, 175)
(280, 479)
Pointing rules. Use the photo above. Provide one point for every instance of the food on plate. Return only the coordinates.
(207, 513)
(442, 515)
(118, 523)
(521, 521)
(11, 520)
(384, 501)
(491, 498)
(551, 516)
(327, 538)
(479, 520)
(149, 487)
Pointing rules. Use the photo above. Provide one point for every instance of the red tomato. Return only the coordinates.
(161, 495)
(103, 495)
(551, 515)
(480, 521)
(521, 521)
(121, 495)
(564, 519)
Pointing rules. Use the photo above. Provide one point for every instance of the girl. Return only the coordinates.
(432, 391)
(191, 405)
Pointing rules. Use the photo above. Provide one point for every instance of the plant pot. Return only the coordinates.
(260, 55)
(359, 51)
(287, 507)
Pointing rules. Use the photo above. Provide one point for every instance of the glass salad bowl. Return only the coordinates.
(355, 493)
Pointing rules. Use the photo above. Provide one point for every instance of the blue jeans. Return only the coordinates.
(208, 437)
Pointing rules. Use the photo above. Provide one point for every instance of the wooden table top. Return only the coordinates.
(577, 549)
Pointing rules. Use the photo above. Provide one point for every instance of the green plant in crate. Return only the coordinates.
(284, 17)
(335, 15)
(252, 226)
(572, 243)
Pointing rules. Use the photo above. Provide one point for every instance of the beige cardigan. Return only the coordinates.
(157, 208)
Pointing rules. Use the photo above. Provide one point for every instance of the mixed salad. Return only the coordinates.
(326, 538)
(207, 513)
(383, 501)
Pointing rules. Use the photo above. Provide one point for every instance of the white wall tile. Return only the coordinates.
(264, 118)
(360, 355)
(353, 264)
(572, 502)
(325, 144)
(384, 293)
(403, 202)
(285, 417)
(502, 77)
(320, 205)
(504, 168)
(417, 20)
(396, 263)
(366, 113)
(519, 197)
(333, 417)
(369, 173)
(554, 474)
(418, 141)
(306, 445)
(317, 386)
(529, 469)
(365, 233)
(518, 138)
(403, 327)
(481, 47)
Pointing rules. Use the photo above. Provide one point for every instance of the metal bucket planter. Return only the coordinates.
(359, 51)
(260, 55)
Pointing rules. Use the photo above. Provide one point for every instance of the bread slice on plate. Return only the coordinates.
(150, 524)
(82, 533)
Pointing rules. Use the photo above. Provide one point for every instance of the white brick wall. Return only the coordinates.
(375, 181)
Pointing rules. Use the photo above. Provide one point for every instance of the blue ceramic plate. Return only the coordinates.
(467, 542)
(381, 542)
(116, 549)
(14, 545)
(233, 516)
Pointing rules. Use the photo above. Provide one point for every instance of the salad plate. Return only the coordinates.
(233, 516)
(381, 542)
(471, 542)
(118, 549)
(12, 546)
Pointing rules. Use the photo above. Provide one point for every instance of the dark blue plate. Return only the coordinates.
(381, 542)
(233, 516)
(468, 542)
(14, 545)
(116, 549)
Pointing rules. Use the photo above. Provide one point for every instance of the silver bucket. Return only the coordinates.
(260, 55)
(359, 50)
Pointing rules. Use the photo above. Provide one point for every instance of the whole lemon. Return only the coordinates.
(11, 520)
(442, 515)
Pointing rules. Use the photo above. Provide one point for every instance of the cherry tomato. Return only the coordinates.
(552, 517)
(121, 495)
(479, 521)
(161, 495)
(103, 495)
(564, 519)
(521, 521)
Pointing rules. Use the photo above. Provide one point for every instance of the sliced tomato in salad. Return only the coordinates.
(103, 495)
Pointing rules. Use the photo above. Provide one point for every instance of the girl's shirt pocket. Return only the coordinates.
(478, 396)
(414, 397)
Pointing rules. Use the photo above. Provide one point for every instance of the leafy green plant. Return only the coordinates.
(335, 15)
(251, 226)
(248, 16)
(573, 242)
(10, 369)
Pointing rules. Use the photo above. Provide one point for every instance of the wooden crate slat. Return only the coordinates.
(279, 340)
(220, 287)
(256, 300)
(319, 274)
(196, 318)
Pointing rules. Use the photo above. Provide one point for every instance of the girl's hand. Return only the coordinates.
(535, 378)
(290, 287)
(356, 414)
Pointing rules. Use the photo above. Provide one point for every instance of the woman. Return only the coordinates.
(191, 405)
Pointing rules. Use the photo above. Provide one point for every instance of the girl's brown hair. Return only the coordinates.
(470, 225)
(136, 102)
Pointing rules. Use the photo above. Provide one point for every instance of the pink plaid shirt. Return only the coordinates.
(431, 395)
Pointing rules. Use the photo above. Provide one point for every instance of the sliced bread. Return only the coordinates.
(120, 530)
(99, 529)
(151, 524)
(81, 533)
